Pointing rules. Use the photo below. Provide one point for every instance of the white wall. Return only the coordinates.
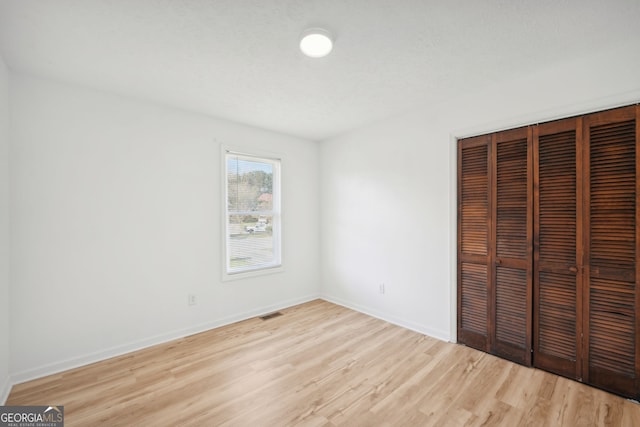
(4, 232)
(389, 190)
(116, 218)
(385, 220)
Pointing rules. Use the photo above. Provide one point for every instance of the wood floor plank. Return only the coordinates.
(319, 365)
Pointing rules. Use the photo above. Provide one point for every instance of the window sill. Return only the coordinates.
(230, 277)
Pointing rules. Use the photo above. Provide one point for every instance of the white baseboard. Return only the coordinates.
(5, 389)
(56, 367)
(61, 366)
(407, 324)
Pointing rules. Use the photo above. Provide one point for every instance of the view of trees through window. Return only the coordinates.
(250, 213)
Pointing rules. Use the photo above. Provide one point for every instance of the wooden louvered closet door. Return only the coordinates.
(548, 246)
(494, 247)
(557, 257)
(611, 295)
(473, 242)
(510, 277)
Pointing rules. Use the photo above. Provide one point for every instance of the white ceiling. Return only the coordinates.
(238, 59)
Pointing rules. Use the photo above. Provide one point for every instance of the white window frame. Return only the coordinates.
(275, 212)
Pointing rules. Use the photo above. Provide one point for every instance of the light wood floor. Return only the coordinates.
(319, 365)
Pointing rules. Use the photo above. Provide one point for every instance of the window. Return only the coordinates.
(252, 214)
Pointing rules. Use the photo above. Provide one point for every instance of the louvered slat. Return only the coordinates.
(474, 298)
(557, 204)
(511, 306)
(512, 173)
(557, 315)
(612, 326)
(474, 203)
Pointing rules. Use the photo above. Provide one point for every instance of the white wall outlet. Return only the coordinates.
(382, 288)
(192, 299)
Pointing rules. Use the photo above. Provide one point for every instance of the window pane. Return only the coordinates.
(251, 243)
(249, 184)
(252, 213)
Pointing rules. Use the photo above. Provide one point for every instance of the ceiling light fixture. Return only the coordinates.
(316, 42)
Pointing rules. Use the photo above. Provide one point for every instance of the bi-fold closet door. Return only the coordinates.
(558, 260)
(548, 245)
(511, 231)
(495, 244)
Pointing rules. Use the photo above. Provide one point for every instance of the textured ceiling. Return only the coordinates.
(238, 59)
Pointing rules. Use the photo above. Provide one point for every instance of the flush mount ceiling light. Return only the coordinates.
(316, 42)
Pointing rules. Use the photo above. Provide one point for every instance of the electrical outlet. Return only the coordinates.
(192, 299)
(382, 288)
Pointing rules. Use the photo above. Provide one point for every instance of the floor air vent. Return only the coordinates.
(271, 315)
